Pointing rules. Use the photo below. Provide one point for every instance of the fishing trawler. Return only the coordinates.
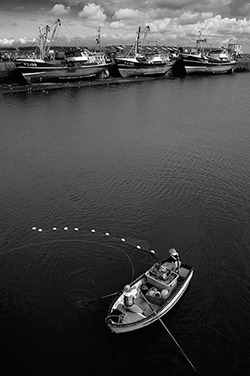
(200, 62)
(137, 63)
(78, 64)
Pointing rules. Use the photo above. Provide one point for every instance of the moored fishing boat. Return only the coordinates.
(220, 62)
(154, 293)
(137, 63)
(200, 62)
(78, 63)
(136, 67)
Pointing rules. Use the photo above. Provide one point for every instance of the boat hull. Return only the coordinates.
(197, 67)
(221, 68)
(66, 73)
(127, 69)
(210, 69)
(154, 316)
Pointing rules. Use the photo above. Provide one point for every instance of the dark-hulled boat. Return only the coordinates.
(78, 66)
(78, 63)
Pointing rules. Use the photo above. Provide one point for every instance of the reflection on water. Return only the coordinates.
(165, 162)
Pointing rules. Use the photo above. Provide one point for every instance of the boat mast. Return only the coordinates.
(200, 43)
(135, 46)
(137, 42)
(44, 43)
(57, 23)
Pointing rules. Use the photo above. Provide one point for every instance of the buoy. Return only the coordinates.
(164, 293)
(151, 292)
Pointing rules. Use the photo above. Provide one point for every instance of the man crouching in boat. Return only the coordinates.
(130, 295)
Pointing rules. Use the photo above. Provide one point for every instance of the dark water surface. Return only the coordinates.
(165, 162)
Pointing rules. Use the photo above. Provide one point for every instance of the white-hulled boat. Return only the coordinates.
(156, 292)
(220, 62)
(138, 64)
(138, 67)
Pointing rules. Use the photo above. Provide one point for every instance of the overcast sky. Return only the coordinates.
(172, 22)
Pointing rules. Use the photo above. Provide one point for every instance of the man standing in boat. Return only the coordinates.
(174, 259)
(130, 295)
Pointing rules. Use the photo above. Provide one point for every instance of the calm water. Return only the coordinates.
(163, 162)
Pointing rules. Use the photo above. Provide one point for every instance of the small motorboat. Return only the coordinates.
(154, 293)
